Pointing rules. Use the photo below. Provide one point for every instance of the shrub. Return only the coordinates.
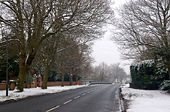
(148, 74)
(54, 76)
(165, 85)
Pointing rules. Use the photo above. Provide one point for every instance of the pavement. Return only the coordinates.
(97, 98)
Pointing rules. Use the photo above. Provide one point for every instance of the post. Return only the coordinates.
(6, 65)
(71, 79)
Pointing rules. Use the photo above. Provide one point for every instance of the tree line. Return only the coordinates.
(144, 30)
(107, 73)
(51, 34)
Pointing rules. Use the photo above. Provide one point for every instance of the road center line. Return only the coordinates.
(53, 108)
(67, 102)
(76, 97)
(84, 94)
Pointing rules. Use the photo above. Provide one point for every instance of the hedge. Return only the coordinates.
(148, 74)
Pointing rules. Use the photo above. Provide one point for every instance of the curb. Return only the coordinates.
(122, 105)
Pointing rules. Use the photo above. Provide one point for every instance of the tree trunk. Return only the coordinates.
(168, 66)
(45, 79)
(169, 71)
(21, 72)
(62, 81)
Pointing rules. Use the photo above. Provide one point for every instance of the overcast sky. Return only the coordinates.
(105, 50)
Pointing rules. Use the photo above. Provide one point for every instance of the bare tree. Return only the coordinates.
(145, 29)
(116, 73)
(109, 73)
(33, 21)
(73, 59)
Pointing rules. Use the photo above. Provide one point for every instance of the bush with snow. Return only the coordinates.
(165, 85)
(148, 74)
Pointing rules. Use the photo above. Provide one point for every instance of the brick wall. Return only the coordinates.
(2, 86)
(34, 84)
(57, 83)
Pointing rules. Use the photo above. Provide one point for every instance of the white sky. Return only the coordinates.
(105, 50)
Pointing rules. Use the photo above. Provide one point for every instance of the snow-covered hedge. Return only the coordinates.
(148, 74)
(165, 85)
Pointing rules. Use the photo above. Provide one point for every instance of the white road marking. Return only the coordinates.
(84, 94)
(76, 97)
(53, 108)
(67, 102)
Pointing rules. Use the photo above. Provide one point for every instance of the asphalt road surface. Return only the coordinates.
(98, 98)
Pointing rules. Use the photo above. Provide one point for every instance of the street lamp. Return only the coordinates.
(6, 65)
(2, 34)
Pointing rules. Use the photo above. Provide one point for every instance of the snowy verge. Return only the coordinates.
(146, 100)
(121, 103)
(14, 95)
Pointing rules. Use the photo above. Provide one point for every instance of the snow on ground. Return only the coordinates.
(34, 91)
(146, 100)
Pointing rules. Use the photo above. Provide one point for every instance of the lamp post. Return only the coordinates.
(6, 65)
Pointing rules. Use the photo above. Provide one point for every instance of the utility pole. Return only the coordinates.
(2, 33)
(6, 65)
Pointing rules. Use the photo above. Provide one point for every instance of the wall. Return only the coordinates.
(57, 83)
